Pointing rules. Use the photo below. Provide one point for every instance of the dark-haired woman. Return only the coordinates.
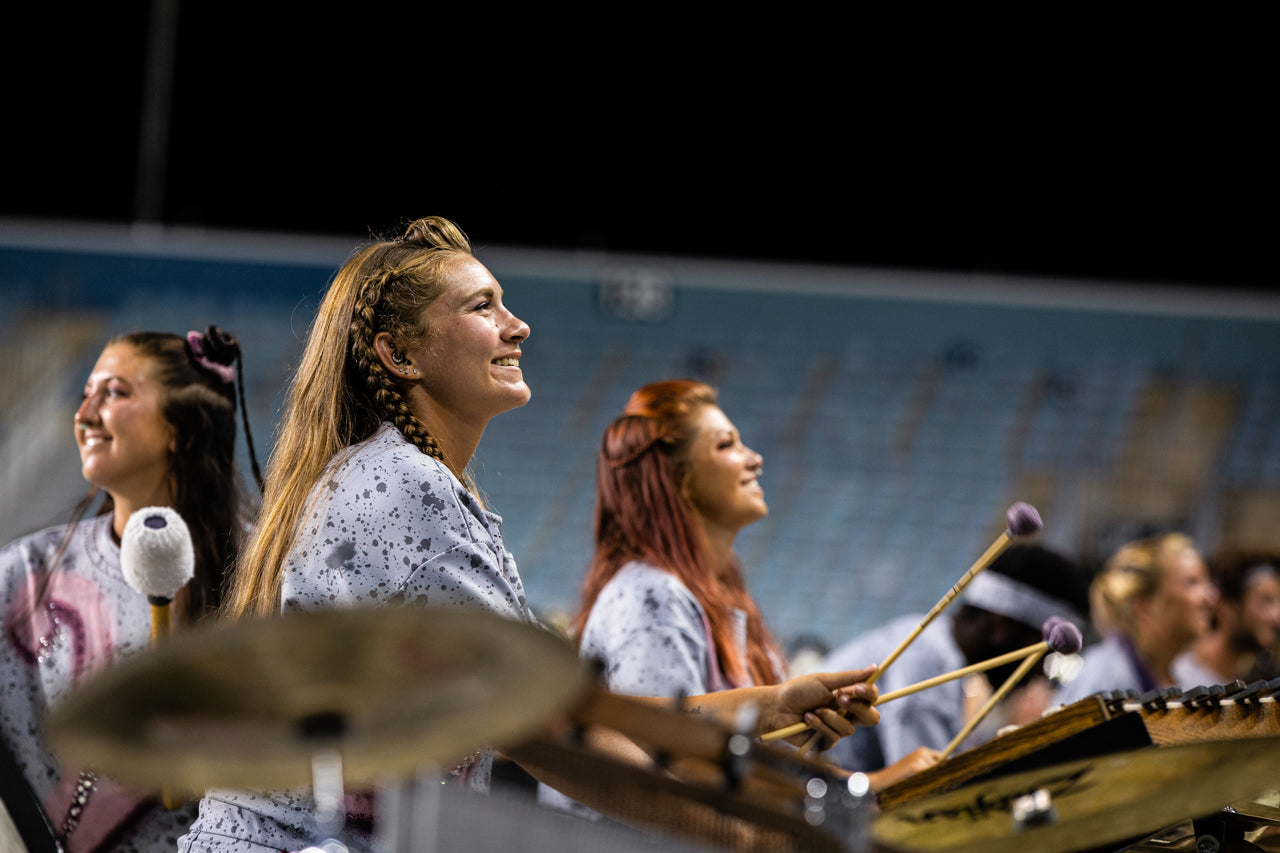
(156, 427)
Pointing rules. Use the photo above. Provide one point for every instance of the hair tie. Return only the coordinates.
(195, 340)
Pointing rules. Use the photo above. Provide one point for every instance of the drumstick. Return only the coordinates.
(1071, 642)
(1056, 639)
(1023, 520)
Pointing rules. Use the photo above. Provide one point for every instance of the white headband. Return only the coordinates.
(1008, 597)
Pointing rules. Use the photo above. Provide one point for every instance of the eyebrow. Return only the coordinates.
(107, 378)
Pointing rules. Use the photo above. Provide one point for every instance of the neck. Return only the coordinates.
(124, 506)
(1157, 653)
(456, 435)
(718, 544)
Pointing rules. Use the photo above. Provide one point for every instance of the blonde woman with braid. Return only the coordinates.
(368, 501)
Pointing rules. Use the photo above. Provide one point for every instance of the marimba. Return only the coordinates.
(1105, 723)
(1111, 727)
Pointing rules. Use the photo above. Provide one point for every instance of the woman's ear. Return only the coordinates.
(392, 359)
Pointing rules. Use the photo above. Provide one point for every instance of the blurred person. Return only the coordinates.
(1245, 633)
(1153, 600)
(157, 427)
(1003, 609)
(368, 497)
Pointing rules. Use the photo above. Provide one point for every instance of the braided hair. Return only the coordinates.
(342, 393)
(383, 390)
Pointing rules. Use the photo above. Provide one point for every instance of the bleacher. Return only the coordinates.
(895, 428)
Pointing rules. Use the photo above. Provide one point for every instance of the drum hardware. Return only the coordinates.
(844, 810)
(1034, 809)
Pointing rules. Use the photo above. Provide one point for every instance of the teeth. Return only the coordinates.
(507, 362)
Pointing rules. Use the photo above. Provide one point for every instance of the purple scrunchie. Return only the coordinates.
(195, 340)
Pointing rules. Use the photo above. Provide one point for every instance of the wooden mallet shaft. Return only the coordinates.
(1023, 520)
(981, 666)
(1009, 684)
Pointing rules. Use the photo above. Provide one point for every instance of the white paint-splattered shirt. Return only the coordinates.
(653, 637)
(89, 617)
(387, 525)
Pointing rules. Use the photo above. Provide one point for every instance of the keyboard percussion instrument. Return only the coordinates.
(1192, 753)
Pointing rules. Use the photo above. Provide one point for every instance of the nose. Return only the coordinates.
(87, 412)
(520, 330)
(754, 460)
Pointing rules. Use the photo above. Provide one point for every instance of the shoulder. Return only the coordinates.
(645, 585)
(33, 544)
(384, 461)
(35, 550)
(384, 478)
(642, 596)
(1105, 665)
(871, 645)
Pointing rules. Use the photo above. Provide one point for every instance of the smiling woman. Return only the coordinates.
(664, 604)
(157, 427)
(124, 440)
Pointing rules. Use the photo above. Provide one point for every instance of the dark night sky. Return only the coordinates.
(1033, 138)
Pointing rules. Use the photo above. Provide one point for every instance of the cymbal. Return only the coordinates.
(1097, 801)
(248, 704)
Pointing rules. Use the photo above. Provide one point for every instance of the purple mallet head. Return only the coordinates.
(1023, 520)
(1062, 637)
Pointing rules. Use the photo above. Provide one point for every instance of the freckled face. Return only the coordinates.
(122, 435)
(470, 363)
(722, 483)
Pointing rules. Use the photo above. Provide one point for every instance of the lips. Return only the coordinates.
(92, 438)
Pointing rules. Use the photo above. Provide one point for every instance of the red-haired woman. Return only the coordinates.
(664, 606)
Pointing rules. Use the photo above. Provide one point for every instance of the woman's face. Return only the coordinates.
(722, 483)
(1185, 599)
(123, 437)
(1260, 610)
(470, 362)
